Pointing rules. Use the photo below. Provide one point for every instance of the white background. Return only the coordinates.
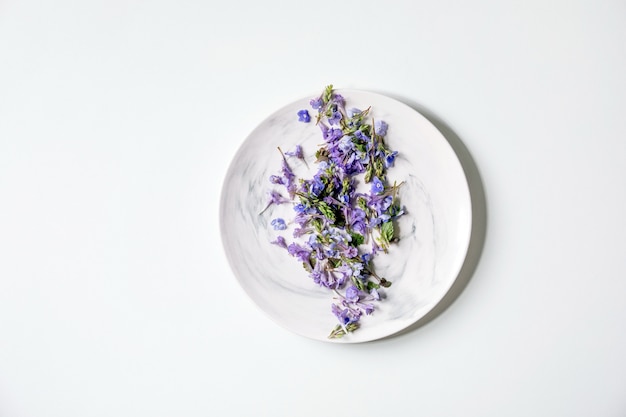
(119, 118)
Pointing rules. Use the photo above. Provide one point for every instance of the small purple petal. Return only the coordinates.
(380, 127)
(377, 186)
(299, 252)
(276, 198)
(297, 152)
(353, 111)
(374, 294)
(352, 294)
(389, 159)
(338, 98)
(279, 224)
(275, 179)
(369, 308)
(303, 116)
(316, 103)
(280, 241)
(335, 117)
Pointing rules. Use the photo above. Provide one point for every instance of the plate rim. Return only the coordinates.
(463, 251)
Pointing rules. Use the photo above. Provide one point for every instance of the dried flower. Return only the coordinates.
(339, 230)
(303, 116)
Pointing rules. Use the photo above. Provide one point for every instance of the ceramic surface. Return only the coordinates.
(434, 233)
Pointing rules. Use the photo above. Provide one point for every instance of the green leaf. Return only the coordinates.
(360, 146)
(335, 262)
(379, 168)
(317, 224)
(328, 93)
(358, 283)
(327, 211)
(357, 239)
(345, 185)
(369, 171)
(372, 284)
(361, 203)
(321, 155)
(338, 332)
(386, 231)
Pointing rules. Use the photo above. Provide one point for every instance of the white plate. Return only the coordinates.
(434, 233)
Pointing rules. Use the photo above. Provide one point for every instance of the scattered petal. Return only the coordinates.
(303, 116)
(377, 186)
(279, 224)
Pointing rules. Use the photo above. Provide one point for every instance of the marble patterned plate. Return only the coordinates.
(434, 233)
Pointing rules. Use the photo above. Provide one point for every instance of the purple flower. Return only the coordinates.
(332, 134)
(379, 220)
(314, 243)
(351, 112)
(374, 294)
(336, 234)
(335, 117)
(276, 198)
(298, 232)
(354, 166)
(345, 271)
(299, 208)
(322, 276)
(369, 308)
(346, 315)
(350, 252)
(301, 219)
(366, 258)
(297, 152)
(380, 127)
(289, 178)
(280, 241)
(287, 172)
(336, 310)
(279, 224)
(377, 186)
(360, 135)
(316, 103)
(303, 116)
(317, 186)
(338, 98)
(341, 279)
(331, 251)
(345, 144)
(275, 179)
(380, 203)
(352, 294)
(357, 270)
(357, 220)
(299, 252)
(390, 158)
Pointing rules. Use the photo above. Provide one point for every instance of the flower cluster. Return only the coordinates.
(339, 224)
